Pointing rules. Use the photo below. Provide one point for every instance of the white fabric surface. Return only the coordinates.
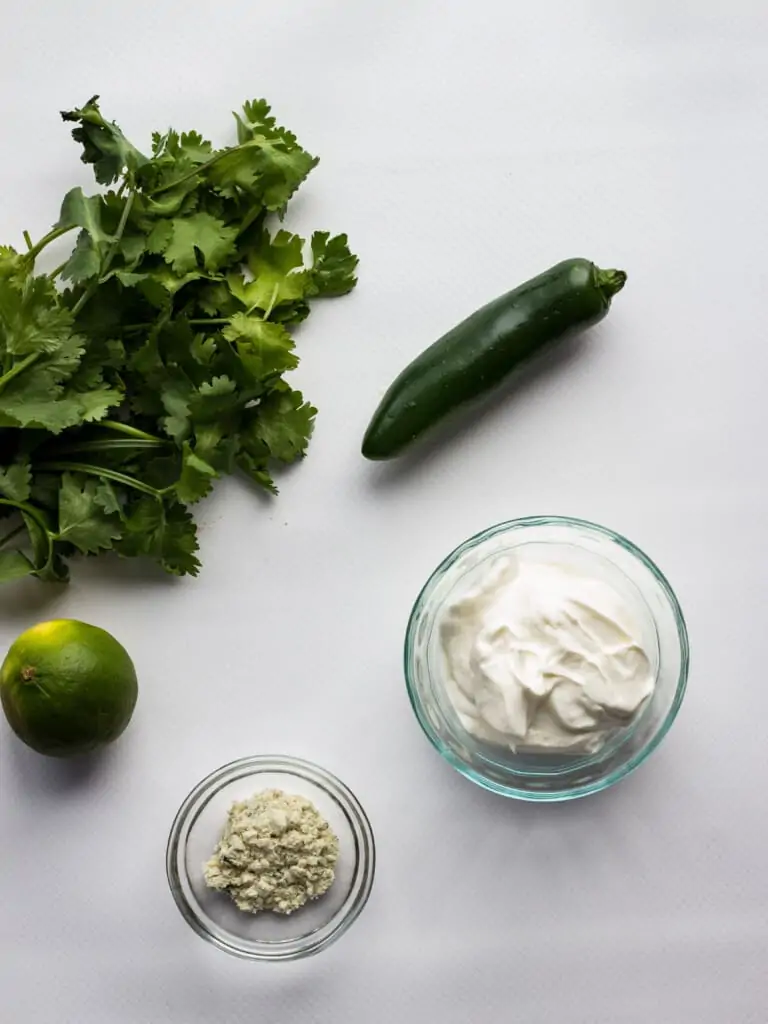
(465, 147)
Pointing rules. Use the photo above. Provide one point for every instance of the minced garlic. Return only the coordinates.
(276, 853)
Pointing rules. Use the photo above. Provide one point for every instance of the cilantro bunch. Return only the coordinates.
(160, 365)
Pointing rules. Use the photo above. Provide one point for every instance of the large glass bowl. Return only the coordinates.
(266, 936)
(601, 553)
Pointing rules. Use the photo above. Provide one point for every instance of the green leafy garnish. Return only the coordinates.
(160, 366)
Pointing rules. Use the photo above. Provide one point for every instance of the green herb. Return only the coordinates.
(160, 364)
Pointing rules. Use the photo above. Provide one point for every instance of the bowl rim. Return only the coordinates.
(363, 876)
(586, 789)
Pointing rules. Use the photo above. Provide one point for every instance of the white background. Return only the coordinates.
(465, 146)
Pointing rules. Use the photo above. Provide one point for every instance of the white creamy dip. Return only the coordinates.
(540, 657)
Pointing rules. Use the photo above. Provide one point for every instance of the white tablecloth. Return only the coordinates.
(465, 147)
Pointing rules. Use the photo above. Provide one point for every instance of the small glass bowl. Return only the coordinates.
(601, 553)
(267, 936)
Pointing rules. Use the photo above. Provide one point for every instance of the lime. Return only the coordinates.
(67, 687)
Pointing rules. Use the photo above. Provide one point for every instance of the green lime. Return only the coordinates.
(67, 687)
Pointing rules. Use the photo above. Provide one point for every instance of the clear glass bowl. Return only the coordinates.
(266, 936)
(599, 552)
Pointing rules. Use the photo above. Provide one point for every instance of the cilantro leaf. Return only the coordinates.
(40, 355)
(256, 470)
(104, 145)
(280, 164)
(16, 481)
(31, 319)
(265, 348)
(83, 520)
(30, 409)
(283, 421)
(189, 146)
(86, 212)
(169, 178)
(180, 151)
(84, 261)
(178, 543)
(198, 233)
(280, 280)
(38, 396)
(257, 119)
(196, 478)
(11, 263)
(214, 398)
(143, 521)
(175, 398)
(106, 497)
(277, 266)
(14, 565)
(171, 282)
(94, 405)
(160, 236)
(333, 265)
(164, 532)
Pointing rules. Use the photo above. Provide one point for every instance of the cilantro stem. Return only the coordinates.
(43, 565)
(85, 297)
(251, 218)
(201, 168)
(35, 250)
(14, 533)
(129, 431)
(205, 321)
(30, 511)
(20, 367)
(111, 444)
(108, 257)
(27, 238)
(108, 474)
(55, 273)
(270, 306)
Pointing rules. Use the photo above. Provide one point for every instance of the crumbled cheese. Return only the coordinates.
(276, 853)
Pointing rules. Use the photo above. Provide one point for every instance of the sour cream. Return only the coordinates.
(540, 657)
